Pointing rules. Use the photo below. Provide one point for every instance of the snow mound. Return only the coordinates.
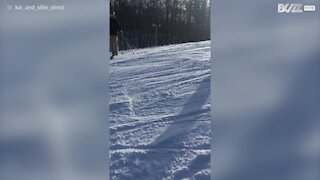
(160, 113)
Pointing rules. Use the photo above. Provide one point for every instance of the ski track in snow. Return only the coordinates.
(160, 113)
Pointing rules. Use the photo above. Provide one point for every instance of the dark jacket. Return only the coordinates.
(114, 26)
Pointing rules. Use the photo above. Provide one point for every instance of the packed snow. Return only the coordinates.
(160, 113)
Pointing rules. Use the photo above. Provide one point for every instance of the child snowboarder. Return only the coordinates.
(115, 28)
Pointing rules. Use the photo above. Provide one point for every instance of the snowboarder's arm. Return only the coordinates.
(119, 27)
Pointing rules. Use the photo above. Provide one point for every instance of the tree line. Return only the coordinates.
(148, 23)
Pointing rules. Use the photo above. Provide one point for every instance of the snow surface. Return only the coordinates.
(160, 113)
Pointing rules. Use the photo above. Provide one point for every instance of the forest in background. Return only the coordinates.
(148, 23)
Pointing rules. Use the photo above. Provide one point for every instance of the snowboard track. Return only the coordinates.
(160, 113)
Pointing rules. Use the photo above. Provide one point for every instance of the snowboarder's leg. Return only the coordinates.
(114, 45)
(111, 49)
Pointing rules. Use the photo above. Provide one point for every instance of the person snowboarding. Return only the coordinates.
(115, 29)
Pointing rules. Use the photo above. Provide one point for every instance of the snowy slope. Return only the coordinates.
(160, 113)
